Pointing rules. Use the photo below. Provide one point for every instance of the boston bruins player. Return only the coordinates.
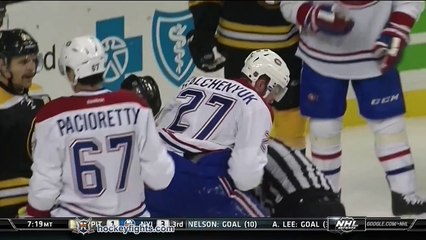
(18, 65)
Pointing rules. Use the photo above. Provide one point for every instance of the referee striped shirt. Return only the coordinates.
(289, 171)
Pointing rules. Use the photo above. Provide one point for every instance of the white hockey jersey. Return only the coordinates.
(93, 153)
(349, 56)
(212, 113)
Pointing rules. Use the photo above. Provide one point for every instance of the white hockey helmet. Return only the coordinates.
(85, 55)
(267, 62)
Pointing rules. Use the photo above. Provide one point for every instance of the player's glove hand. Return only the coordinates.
(390, 47)
(204, 52)
(329, 19)
(391, 44)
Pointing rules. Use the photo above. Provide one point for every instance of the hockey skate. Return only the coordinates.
(410, 204)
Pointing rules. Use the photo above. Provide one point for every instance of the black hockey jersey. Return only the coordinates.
(16, 116)
(245, 24)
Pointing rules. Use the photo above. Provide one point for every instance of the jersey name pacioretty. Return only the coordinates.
(100, 119)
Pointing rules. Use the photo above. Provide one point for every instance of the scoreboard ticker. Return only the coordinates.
(150, 225)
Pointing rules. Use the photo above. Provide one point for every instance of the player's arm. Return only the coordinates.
(44, 98)
(395, 35)
(249, 156)
(404, 15)
(30, 140)
(162, 119)
(326, 18)
(46, 182)
(157, 166)
(290, 11)
(412, 9)
(201, 40)
(206, 15)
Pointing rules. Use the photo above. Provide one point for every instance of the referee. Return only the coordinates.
(293, 187)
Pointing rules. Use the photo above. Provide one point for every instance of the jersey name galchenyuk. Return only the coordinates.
(225, 86)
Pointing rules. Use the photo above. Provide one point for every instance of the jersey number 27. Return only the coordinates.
(220, 104)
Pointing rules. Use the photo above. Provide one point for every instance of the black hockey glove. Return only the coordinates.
(204, 51)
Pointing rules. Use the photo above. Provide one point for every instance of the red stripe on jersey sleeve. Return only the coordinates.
(303, 12)
(401, 18)
(32, 212)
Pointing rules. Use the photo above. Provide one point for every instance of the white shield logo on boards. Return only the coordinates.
(171, 51)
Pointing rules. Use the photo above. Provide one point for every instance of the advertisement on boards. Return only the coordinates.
(145, 38)
(124, 54)
(169, 30)
(142, 38)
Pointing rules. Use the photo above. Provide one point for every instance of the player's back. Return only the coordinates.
(208, 112)
(98, 137)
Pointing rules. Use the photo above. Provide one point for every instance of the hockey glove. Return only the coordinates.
(390, 46)
(329, 19)
(204, 52)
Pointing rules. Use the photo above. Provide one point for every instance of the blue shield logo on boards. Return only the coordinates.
(170, 47)
(124, 55)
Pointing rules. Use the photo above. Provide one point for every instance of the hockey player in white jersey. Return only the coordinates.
(94, 151)
(218, 131)
(291, 187)
(359, 42)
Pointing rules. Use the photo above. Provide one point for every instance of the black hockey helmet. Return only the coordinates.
(17, 42)
(146, 87)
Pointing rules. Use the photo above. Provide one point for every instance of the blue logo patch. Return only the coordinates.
(169, 43)
(124, 55)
